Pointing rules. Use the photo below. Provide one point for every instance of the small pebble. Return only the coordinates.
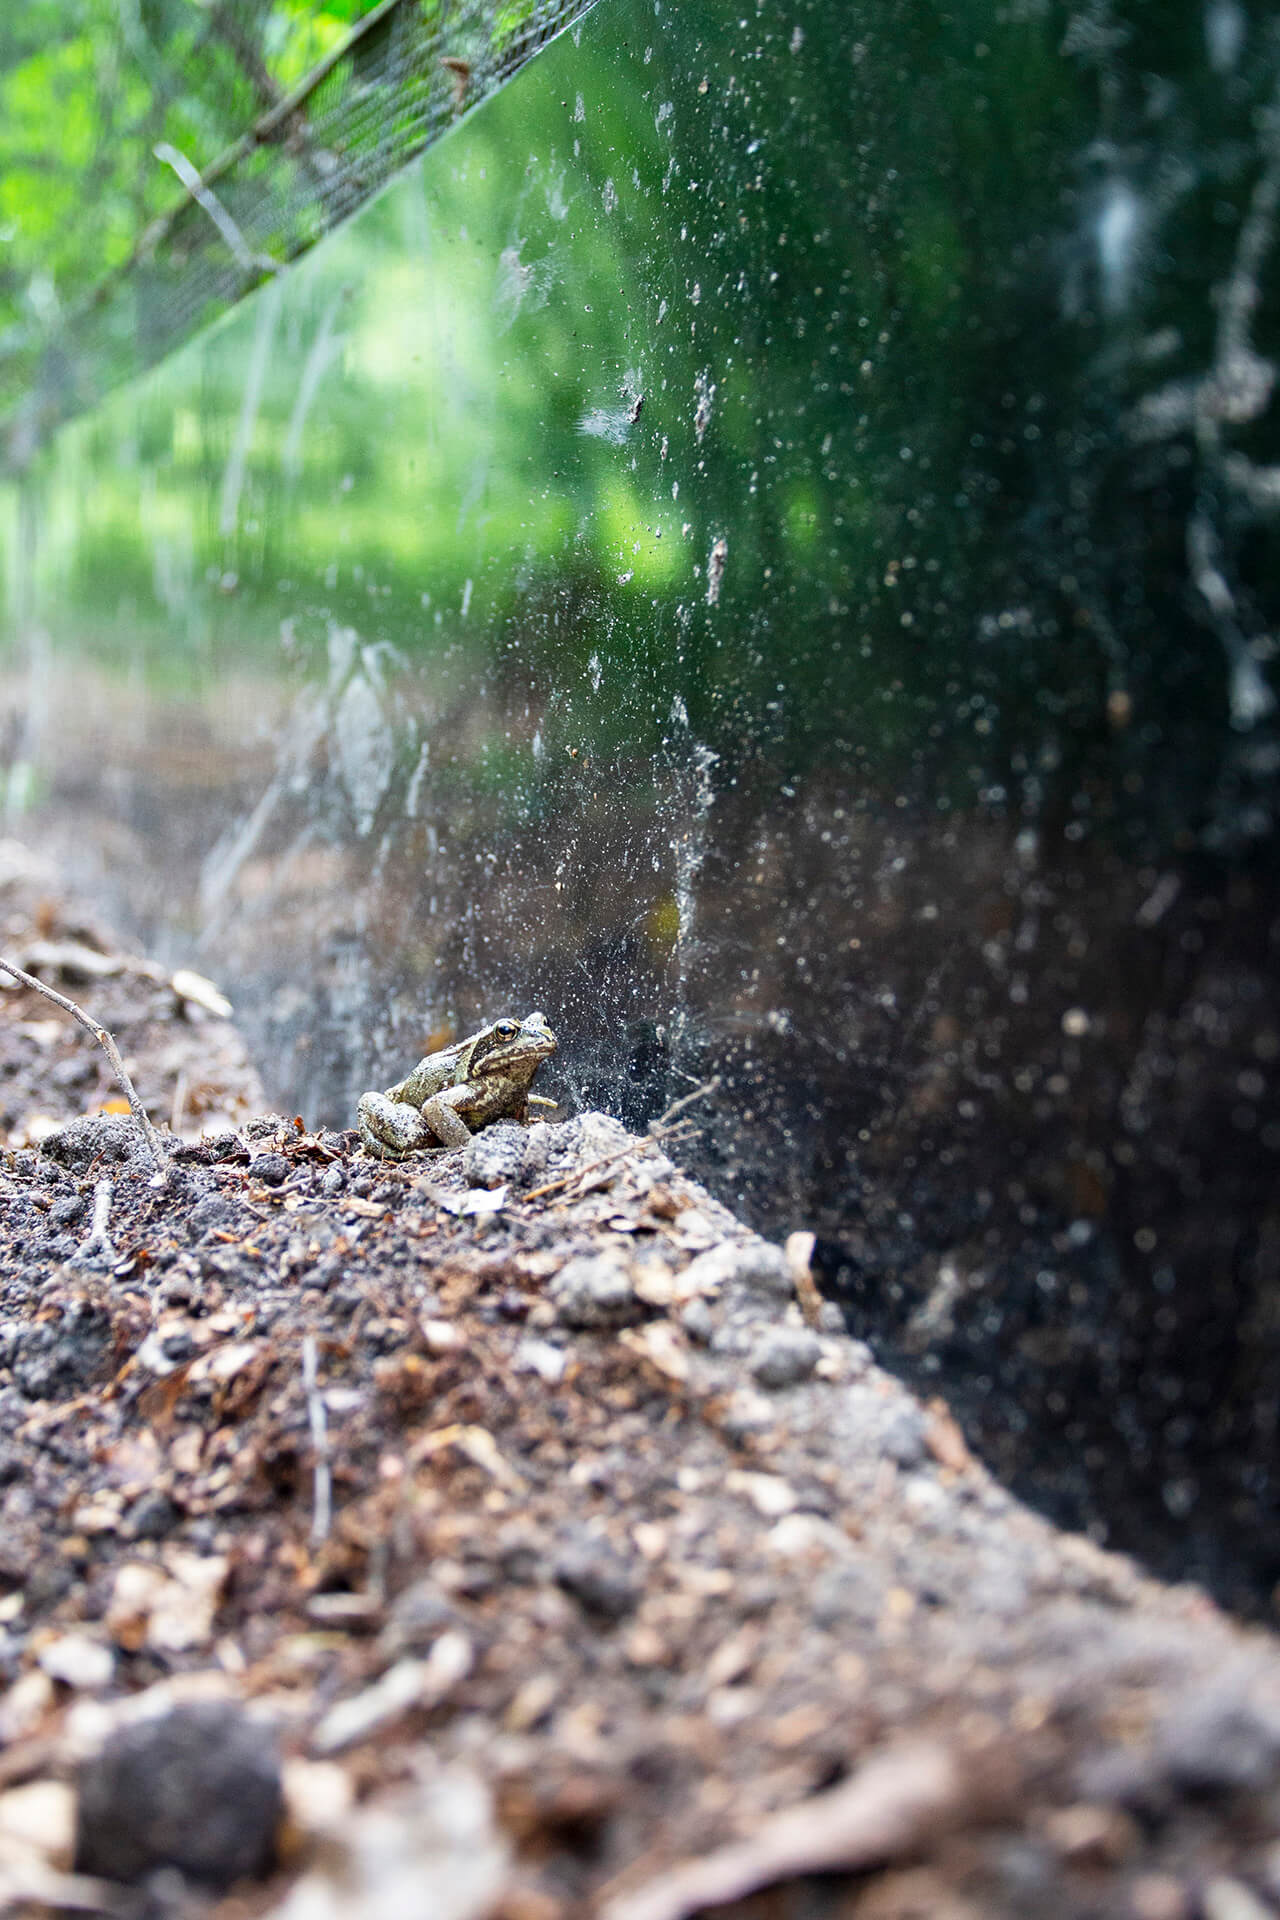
(594, 1291)
(440, 1336)
(747, 1413)
(1158, 1896)
(1221, 1738)
(597, 1577)
(333, 1180)
(785, 1355)
(151, 1516)
(924, 1500)
(271, 1168)
(537, 1147)
(749, 1266)
(540, 1357)
(1225, 1899)
(902, 1437)
(1091, 1836)
(697, 1321)
(79, 1662)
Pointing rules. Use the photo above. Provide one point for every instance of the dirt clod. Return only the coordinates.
(197, 1789)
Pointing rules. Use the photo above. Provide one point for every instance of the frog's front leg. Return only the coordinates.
(443, 1120)
(390, 1129)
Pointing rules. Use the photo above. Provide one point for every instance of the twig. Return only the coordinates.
(204, 196)
(682, 1130)
(707, 1088)
(799, 1252)
(322, 1512)
(111, 1050)
(99, 1241)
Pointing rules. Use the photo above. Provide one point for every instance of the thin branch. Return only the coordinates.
(99, 1244)
(111, 1050)
(202, 193)
(703, 1092)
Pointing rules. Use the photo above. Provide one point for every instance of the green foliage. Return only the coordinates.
(445, 452)
(88, 90)
(632, 312)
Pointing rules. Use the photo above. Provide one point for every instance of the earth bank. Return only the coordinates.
(512, 1532)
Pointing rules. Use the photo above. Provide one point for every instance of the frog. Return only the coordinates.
(453, 1093)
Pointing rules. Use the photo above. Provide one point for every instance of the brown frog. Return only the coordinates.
(451, 1094)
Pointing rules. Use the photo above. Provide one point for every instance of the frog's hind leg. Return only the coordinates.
(444, 1122)
(391, 1129)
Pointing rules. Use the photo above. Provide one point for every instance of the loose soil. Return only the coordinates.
(511, 1532)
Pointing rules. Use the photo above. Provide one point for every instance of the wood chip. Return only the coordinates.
(408, 1684)
(799, 1251)
(883, 1813)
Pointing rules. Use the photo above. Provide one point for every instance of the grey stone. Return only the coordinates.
(151, 1517)
(785, 1355)
(216, 1210)
(271, 1168)
(597, 1577)
(594, 1291)
(52, 1359)
(1223, 1737)
(747, 1267)
(494, 1157)
(697, 1321)
(902, 1436)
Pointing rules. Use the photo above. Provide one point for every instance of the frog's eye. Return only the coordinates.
(506, 1029)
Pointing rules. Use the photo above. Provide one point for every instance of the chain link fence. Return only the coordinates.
(405, 74)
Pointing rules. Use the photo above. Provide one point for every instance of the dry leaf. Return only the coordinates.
(194, 990)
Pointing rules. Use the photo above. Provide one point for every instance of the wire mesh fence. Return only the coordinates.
(408, 71)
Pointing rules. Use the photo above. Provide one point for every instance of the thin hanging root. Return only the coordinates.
(112, 1052)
